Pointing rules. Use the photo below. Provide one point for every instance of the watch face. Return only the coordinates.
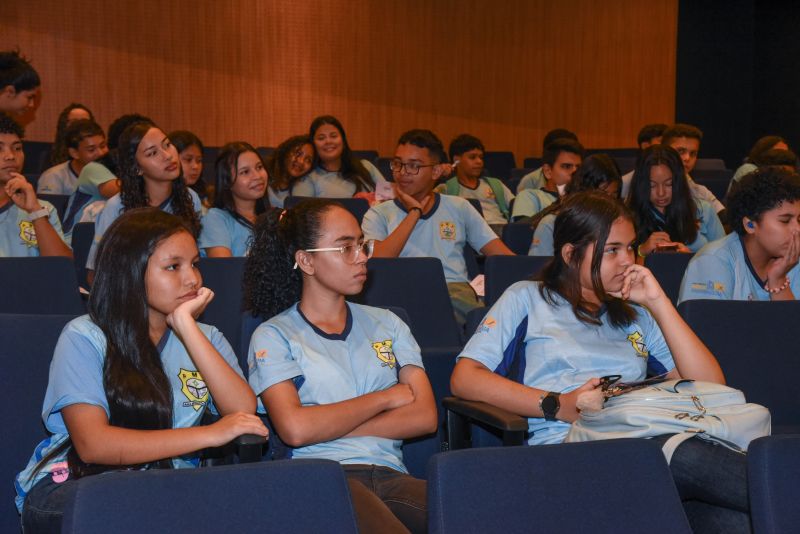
(550, 405)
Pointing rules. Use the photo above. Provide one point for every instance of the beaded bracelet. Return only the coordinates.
(776, 289)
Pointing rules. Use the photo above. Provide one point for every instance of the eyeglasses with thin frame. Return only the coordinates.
(412, 167)
(349, 252)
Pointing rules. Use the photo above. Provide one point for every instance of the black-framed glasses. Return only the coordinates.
(349, 252)
(412, 167)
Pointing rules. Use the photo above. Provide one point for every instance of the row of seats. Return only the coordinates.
(489, 489)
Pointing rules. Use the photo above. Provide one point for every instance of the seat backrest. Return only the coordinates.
(270, 497)
(418, 286)
(709, 164)
(716, 180)
(498, 163)
(25, 355)
(382, 164)
(532, 162)
(369, 155)
(82, 237)
(603, 486)
(59, 202)
(518, 236)
(265, 152)
(754, 344)
(668, 268)
(223, 276)
(502, 271)
(37, 156)
(625, 164)
(515, 177)
(773, 469)
(357, 206)
(45, 285)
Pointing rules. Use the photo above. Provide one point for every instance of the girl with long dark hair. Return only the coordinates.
(150, 174)
(238, 200)
(130, 381)
(70, 114)
(666, 215)
(190, 152)
(289, 164)
(592, 312)
(337, 173)
(340, 381)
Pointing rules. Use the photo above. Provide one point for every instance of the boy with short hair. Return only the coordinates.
(561, 159)
(535, 179)
(19, 82)
(467, 153)
(86, 142)
(686, 139)
(28, 226)
(422, 223)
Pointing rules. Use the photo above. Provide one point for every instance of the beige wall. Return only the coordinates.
(505, 70)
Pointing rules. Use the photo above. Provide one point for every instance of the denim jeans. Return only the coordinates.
(712, 481)
(386, 500)
(44, 506)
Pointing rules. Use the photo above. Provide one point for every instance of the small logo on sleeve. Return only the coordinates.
(710, 287)
(487, 325)
(383, 350)
(194, 388)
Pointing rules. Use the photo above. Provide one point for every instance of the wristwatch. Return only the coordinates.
(38, 214)
(550, 405)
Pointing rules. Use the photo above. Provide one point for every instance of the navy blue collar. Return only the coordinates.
(552, 193)
(348, 325)
(750, 267)
(163, 341)
(7, 206)
(436, 198)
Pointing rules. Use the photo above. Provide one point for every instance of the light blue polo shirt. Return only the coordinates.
(17, 235)
(58, 180)
(330, 368)
(531, 201)
(113, 209)
(441, 233)
(329, 184)
(277, 197)
(221, 229)
(532, 180)
(542, 244)
(76, 377)
(91, 178)
(561, 352)
(722, 271)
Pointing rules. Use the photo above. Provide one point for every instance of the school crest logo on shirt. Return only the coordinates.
(194, 387)
(384, 352)
(28, 234)
(487, 325)
(710, 287)
(637, 341)
(447, 230)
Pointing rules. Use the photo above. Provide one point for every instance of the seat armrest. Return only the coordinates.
(249, 447)
(487, 414)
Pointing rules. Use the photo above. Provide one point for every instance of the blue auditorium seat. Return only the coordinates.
(498, 164)
(755, 344)
(59, 202)
(25, 354)
(44, 285)
(773, 472)
(716, 180)
(223, 276)
(82, 237)
(532, 162)
(668, 268)
(706, 164)
(599, 487)
(369, 155)
(503, 271)
(268, 497)
(518, 236)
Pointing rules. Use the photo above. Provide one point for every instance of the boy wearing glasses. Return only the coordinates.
(421, 223)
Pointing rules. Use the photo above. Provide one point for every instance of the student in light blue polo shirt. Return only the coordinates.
(595, 312)
(421, 223)
(86, 142)
(561, 159)
(238, 200)
(536, 179)
(129, 393)
(28, 226)
(340, 381)
(759, 260)
(666, 213)
(337, 173)
(598, 171)
(150, 172)
(288, 165)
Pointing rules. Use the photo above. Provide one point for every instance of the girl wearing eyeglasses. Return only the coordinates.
(339, 380)
(337, 173)
(289, 164)
(238, 200)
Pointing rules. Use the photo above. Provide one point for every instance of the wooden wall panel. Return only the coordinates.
(506, 70)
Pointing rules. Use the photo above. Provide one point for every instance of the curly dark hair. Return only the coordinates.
(134, 191)
(276, 165)
(271, 283)
(761, 191)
